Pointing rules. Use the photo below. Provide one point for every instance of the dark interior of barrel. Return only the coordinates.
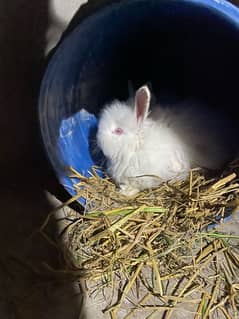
(181, 49)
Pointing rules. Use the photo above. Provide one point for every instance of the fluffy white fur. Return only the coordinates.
(164, 146)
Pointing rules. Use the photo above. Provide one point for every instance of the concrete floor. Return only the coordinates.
(28, 30)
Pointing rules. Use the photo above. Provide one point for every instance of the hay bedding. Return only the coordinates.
(153, 254)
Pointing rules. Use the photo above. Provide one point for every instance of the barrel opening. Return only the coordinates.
(183, 48)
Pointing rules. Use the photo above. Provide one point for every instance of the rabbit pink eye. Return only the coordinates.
(118, 131)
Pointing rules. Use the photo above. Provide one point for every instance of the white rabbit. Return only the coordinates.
(143, 150)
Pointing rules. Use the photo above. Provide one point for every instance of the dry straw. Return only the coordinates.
(154, 251)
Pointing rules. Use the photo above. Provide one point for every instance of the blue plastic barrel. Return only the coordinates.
(188, 47)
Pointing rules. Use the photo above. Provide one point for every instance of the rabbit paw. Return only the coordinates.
(128, 190)
(179, 165)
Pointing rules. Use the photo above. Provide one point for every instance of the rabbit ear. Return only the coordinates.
(142, 101)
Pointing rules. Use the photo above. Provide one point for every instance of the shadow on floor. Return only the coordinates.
(25, 172)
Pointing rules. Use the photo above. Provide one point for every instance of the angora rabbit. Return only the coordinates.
(144, 149)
